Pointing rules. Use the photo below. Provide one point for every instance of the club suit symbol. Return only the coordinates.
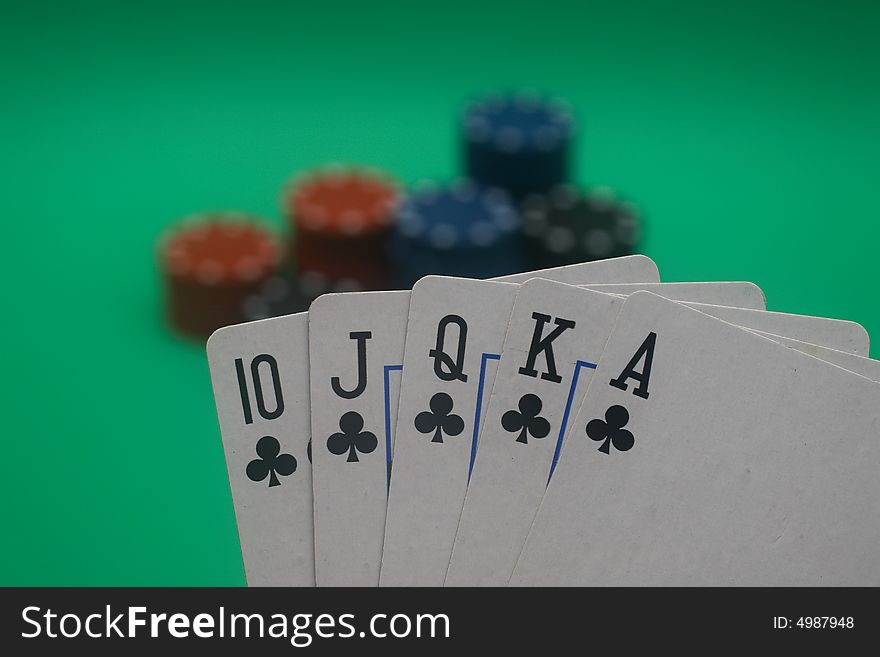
(440, 419)
(526, 420)
(610, 431)
(271, 462)
(352, 438)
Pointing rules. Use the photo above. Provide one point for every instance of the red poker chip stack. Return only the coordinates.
(210, 264)
(341, 217)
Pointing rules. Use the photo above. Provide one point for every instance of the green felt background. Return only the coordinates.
(748, 132)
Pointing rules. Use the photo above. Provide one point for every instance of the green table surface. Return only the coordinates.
(749, 133)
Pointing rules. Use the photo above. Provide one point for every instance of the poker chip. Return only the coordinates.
(342, 201)
(518, 142)
(277, 296)
(458, 229)
(566, 226)
(341, 218)
(210, 264)
(287, 294)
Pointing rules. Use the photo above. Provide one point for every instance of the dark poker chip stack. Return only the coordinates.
(517, 142)
(455, 230)
(567, 226)
(280, 295)
(285, 294)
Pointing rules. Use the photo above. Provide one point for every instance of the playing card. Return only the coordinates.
(453, 343)
(360, 338)
(704, 454)
(355, 343)
(738, 294)
(867, 367)
(260, 375)
(626, 269)
(455, 332)
(837, 334)
(555, 337)
(822, 329)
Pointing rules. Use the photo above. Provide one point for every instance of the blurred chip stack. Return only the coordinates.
(456, 230)
(279, 295)
(287, 293)
(210, 264)
(567, 226)
(351, 229)
(340, 219)
(518, 142)
(522, 143)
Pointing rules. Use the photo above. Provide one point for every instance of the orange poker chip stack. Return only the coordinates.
(211, 263)
(341, 218)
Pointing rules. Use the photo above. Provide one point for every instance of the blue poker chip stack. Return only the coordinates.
(518, 142)
(455, 230)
